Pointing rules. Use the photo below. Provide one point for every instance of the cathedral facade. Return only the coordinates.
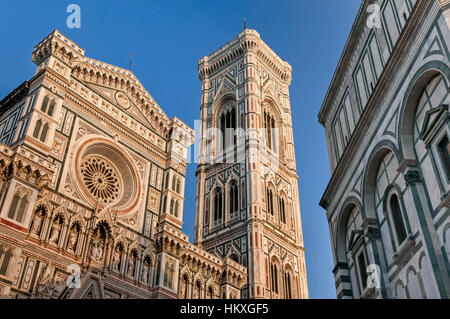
(247, 204)
(92, 178)
(386, 119)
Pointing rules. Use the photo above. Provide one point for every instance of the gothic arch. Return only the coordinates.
(61, 210)
(275, 275)
(273, 106)
(217, 199)
(409, 105)
(271, 199)
(288, 281)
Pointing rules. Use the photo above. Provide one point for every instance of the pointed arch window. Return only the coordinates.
(288, 285)
(178, 186)
(233, 198)
(44, 133)
(218, 205)
(48, 106)
(45, 104)
(164, 206)
(51, 108)
(37, 129)
(168, 275)
(172, 205)
(274, 278)
(282, 208)
(18, 207)
(40, 131)
(5, 258)
(269, 194)
(269, 124)
(227, 125)
(176, 209)
(174, 181)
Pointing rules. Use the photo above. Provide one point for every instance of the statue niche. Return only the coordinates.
(117, 257)
(98, 242)
(74, 235)
(55, 230)
(37, 221)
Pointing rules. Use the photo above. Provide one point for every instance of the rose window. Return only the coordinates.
(101, 179)
(107, 176)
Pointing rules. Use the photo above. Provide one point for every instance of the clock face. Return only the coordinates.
(122, 100)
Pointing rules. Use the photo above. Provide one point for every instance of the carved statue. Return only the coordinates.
(73, 239)
(56, 229)
(97, 251)
(182, 290)
(144, 276)
(130, 271)
(36, 227)
(117, 257)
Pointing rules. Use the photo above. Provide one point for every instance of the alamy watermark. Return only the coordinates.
(74, 279)
(374, 19)
(74, 19)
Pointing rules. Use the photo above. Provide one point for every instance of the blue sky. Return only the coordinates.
(169, 37)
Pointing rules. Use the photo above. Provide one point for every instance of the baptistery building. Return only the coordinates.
(92, 181)
(386, 119)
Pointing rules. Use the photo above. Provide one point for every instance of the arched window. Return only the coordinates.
(270, 201)
(218, 205)
(5, 258)
(274, 277)
(282, 209)
(397, 219)
(168, 275)
(44, 133)
(164, 206)
(178, 186)
(226, 122)
(233, 198)
(172, 203)
(18, 206)
(37, 129)
(174, 181)
(287, 284)
(167, 181)
(269, 124)
(51, 108)
(176, 209)
(45, 104)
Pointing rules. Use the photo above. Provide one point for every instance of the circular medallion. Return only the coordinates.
(122, 100)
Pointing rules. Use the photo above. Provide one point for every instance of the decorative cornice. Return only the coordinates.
(248, 41)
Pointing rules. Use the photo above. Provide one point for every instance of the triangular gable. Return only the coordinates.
(431, 121)
(226, 87)
(121, 100)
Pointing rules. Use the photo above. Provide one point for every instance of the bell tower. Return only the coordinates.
(247, 203)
